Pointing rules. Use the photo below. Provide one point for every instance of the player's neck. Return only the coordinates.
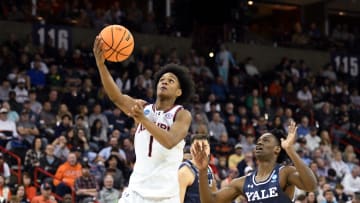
(164, 104)
(265, 168)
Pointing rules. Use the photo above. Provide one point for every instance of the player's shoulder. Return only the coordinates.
(181, 112)
(187, 166)
(238, 184)
(286, 170)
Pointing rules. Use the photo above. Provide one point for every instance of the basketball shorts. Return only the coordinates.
(130, 196)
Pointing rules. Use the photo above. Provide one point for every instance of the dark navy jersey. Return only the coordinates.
(192, 194)
(268, 191)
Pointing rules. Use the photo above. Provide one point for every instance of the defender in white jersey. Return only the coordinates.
(162, 127)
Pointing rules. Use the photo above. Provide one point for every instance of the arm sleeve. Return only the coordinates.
(58, 176)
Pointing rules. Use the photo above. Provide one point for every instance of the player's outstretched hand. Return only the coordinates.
(200, 157)
(98, 51)
(291, 137)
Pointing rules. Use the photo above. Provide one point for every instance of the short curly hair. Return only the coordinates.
(278, 134)
(185, 81)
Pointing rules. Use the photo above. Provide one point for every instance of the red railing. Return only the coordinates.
(349, 135)
(41, 170)
(16, 172)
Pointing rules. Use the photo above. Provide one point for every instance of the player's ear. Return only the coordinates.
(178, 92)
(277, 149)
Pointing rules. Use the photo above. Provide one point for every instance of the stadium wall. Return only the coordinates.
(265, 57)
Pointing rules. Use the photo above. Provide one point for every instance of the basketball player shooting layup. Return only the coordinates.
(270, 182)
(159, 138)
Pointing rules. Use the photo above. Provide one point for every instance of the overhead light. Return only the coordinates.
(341, 13)
(250, 3)
(211, 54)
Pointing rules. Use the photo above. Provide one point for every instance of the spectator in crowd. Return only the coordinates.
(329, 196)
(340, 196)
(250, 67)
(30, 189)
(12, 114)
(5, 191)
(37, 76)
(4, 168)
(235, 158)
(254, 98)
(304, 95)
(64, 124)
(216, 127)
(113, 148)
(49, 162)
(108, 193)
(5, 90)
(117, 171)
(86, 187)
(248, 141)
(312, 139)
(7, 128)
(224, 61)
(33, 155)
(97, 114)
(128, 145)
(351, 181)
(223, 147)
(304, 128)
(27, 129)
(339, 165)
(21, 195)
(45, 194)
(47, 120)
(311, 197)
(98, 135)
(66, 175)
(61, 150)
(21, 91)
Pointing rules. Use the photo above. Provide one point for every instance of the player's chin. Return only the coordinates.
(259, 153)
(163, 94)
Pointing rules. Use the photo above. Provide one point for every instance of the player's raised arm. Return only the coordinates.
(124, 102)
(226, 194)
(301, 176)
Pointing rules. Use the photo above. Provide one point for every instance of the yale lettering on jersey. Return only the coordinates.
(262, 194)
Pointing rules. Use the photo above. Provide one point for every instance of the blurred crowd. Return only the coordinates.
(139, 16)
(55, 115)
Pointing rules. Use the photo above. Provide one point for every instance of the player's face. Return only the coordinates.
(266, 146)
(168, 85)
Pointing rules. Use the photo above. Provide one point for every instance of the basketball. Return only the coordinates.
(118, 43)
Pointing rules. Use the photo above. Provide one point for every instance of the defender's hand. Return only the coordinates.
(199, 155)
(291, 137)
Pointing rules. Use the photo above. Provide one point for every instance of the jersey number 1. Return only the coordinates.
(150, 145)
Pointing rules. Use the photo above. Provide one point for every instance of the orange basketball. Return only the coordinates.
(118, 43)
